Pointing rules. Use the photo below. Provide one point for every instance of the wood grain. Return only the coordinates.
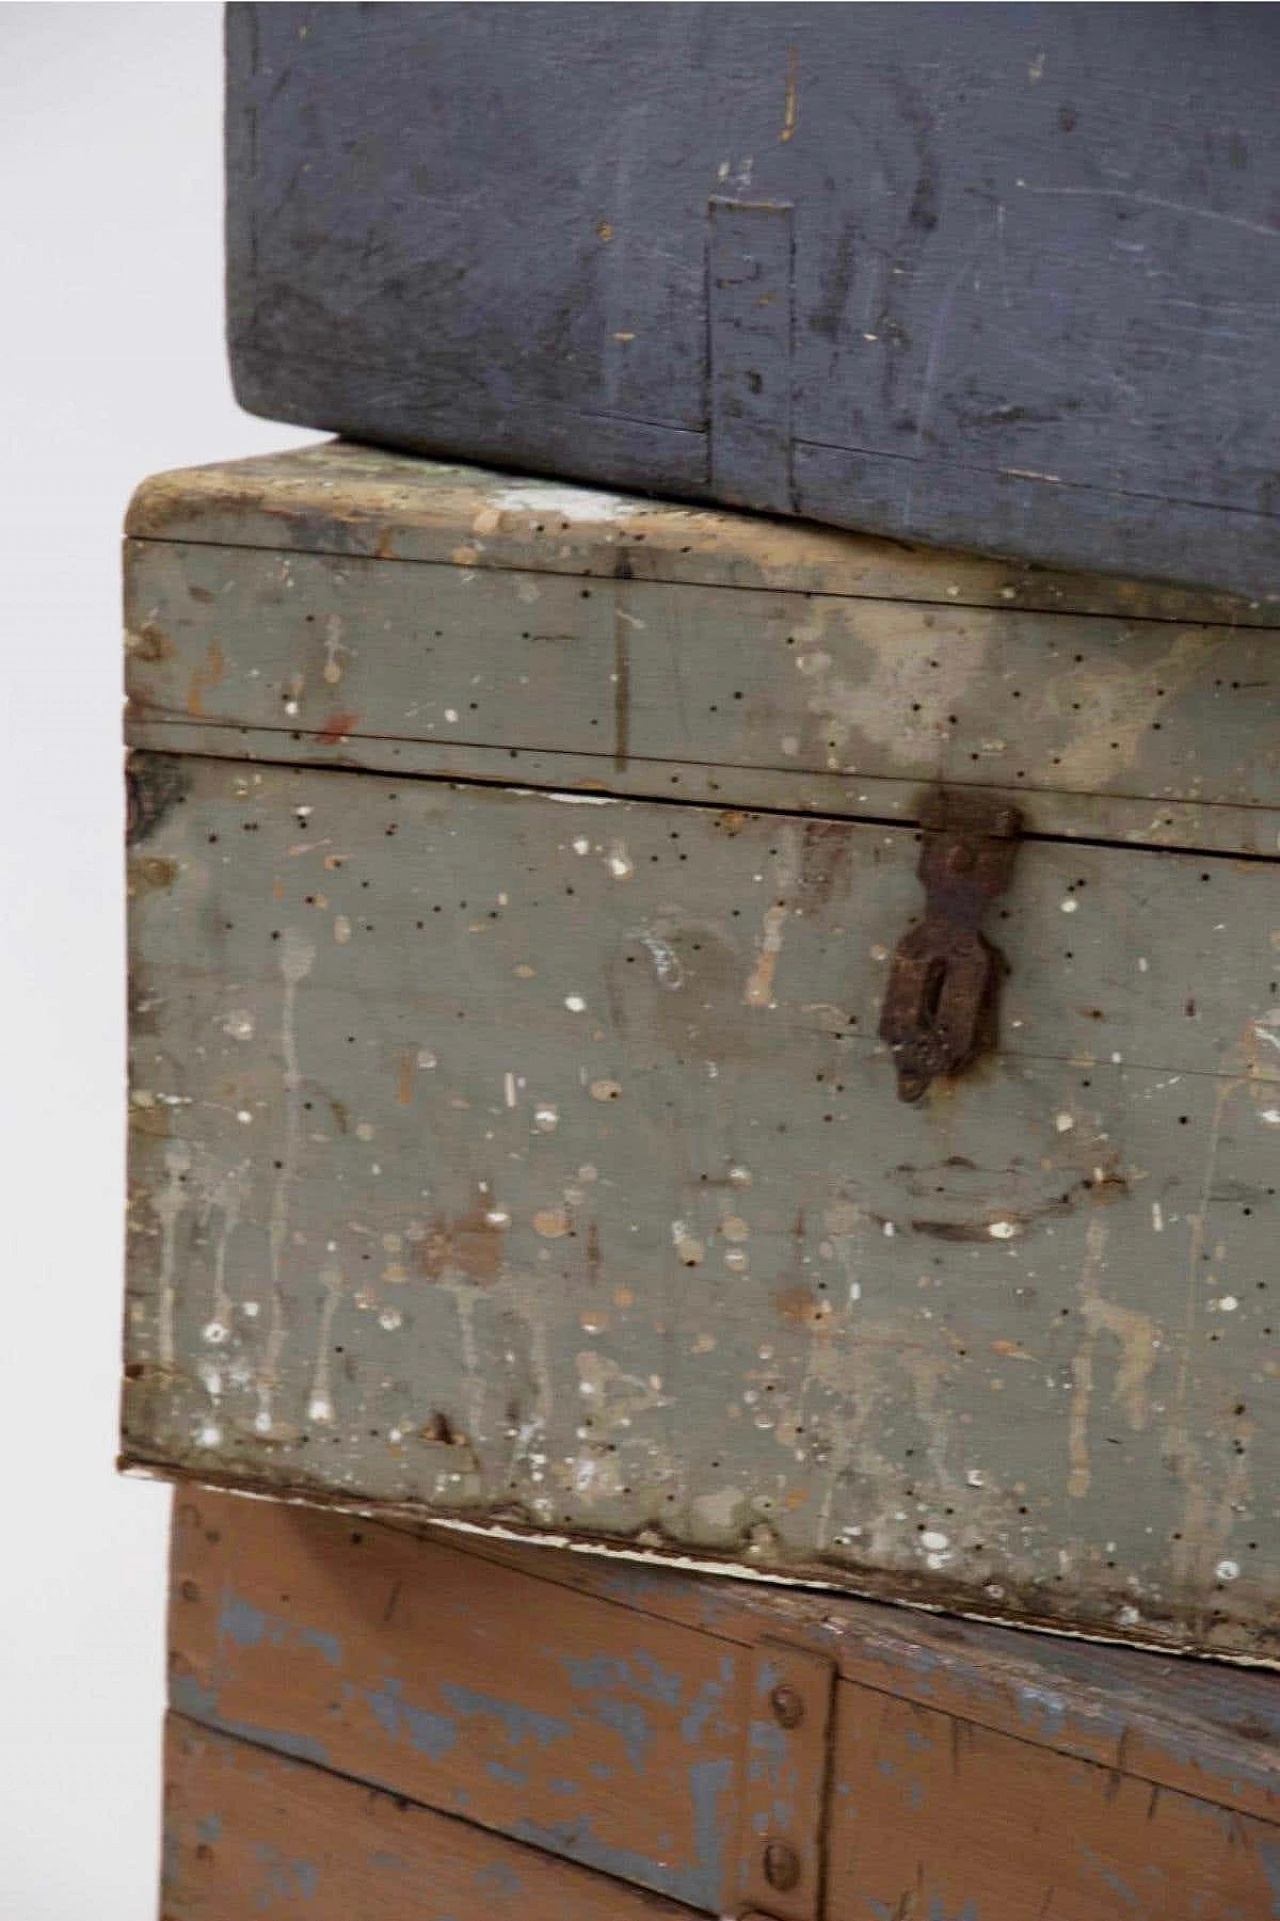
(576, 1704)
(358, 501)
(500, 1156)
(1034, 262)
(933, 1816)
(248, 1832)
(582, 1728)
(817, 694)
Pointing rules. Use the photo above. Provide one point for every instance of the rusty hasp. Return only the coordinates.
(940, 1007)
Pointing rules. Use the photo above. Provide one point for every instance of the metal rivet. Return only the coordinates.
(781, 1866)
(788, 1708)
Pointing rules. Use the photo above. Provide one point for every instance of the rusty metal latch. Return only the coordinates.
(940, 1007)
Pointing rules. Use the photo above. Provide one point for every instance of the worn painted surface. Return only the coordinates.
(931, 1816)
(971, 1770)
(506, 1701)
(1016, 291)
(514, 1158)
(248, 1832)
(363, 502)
(822, 698)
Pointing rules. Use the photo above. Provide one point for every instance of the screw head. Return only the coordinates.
(781, 1866)
(788, 1707)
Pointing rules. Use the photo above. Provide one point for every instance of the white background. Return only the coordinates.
(111, 367)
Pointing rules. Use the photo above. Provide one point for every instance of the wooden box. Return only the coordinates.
(1000, 277)
(369, 1725)
(518, 882)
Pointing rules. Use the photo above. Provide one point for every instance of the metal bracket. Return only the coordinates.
(940, 1007)
(789, 1718)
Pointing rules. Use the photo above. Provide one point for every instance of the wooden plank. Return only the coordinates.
(326, 652)
(1033, 296)
(988, 1319)
(579, 1727)
(933, 1816)
(1206, 1729)
(1096, 817)
(354, 501)
(320, 1581)
(784, 1782)
(248, 1832)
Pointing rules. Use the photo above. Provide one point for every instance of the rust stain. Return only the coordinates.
(154, 783)
(803, 1306)
(205, 677)
(404, 1081)
(150, 874)
(552, 1223)
(337, 728)
(439, 1428)
(468, 1244)
(150, 643)
(759, 988)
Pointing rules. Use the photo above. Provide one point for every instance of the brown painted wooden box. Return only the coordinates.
(373, 1724)
(516, 879)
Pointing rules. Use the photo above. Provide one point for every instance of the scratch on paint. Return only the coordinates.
(760, 985)
(177, 1162)
(226, 1196)
(1139, 1340)
(320, 1404)
(297, 957)
(1189, 1552)
(1081, 1475)
(789, 104)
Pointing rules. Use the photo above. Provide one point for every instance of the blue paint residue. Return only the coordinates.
(1269, 1855)
(510, 1777)
(327, 1644)
(285, 1878)
(190, 1697)
(431, 1734)
(575, 1841)
(1097, 1865)
(708, 1780)
(704, 1704)
(662, 1684)
(628, 1720)
(498, 1875)
(241, 1622)
(209, 1827)
(521, 1723)
(1042, 1707)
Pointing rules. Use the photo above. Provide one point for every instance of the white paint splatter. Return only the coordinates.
(666, 962)
(297, 957)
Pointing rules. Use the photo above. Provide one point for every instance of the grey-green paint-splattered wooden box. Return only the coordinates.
(515, 880)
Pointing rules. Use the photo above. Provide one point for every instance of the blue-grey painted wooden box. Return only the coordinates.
(997, 277)
(515, 875)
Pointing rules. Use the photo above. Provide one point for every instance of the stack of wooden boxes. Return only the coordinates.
(705, 1092)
